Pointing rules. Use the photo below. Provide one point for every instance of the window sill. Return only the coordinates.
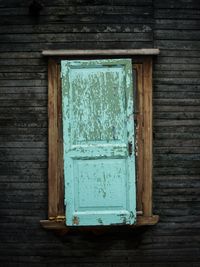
(59, 223)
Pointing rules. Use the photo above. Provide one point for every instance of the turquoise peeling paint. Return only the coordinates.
(97, 104)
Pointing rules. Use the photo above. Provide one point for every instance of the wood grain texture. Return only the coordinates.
(139, 117)
(53, 139)
(174, 241)
(109, 52)
(60, 225)
(148, 153)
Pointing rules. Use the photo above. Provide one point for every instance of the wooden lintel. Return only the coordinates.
(110, 52)
(60, 225)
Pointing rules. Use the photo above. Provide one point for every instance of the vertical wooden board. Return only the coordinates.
(139, 135)
(52, 139)
(60, 176)
(98, 125)
(148, 155)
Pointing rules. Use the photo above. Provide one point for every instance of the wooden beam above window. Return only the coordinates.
(110, 52)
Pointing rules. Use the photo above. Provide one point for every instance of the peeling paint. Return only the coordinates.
(75, 220)
(100, 221)
(97, 126)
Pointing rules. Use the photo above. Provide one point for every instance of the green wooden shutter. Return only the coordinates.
(98, 134)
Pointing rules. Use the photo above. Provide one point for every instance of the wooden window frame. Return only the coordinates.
(143, 117)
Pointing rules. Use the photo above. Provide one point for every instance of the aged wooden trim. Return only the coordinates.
(139, 134)
(53, 139)
(60, 177)
(148, 153)
(55, 162)
(110, 52)
(53, 225)
(60, 225)
(147, 220)
(143, 116)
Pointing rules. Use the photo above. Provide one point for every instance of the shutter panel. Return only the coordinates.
(98, 134)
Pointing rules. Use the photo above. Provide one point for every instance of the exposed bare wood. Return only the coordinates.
(139, 134)
(60, 178)
(53, 139)
(147, 177)
(73, 52)
(56, 225)
(53, 225)
(147, 220)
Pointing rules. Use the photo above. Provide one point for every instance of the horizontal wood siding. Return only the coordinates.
(176, 126)
(172, 26)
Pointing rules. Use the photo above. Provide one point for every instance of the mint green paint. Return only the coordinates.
(97, 102)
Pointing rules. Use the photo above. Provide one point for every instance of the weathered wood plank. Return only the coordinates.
(191, 4)
(177, 44)
(11, 130)
(177, 80)
(23, 102)
(23, 123)
(22, 55)
(28, 138)
(176, 67)
(177, 142)
(148, 160)
(74, 37)
(181, 156)
(24, 90)
(177, 115)
(177, 24)
(77, 28)
(177, 74)
(176, 150)
(20, 83)
(21, 176)
(53, 225)
(139, 134)
(179, 53)
(60, 163)
(82, 10)
(21, 76)
(159, 108)
(177, 13)
(93, 19)
(120, 44)
(24, 3)
(101, 52)
(25, 144)
(23, 110)
(177, 87)
(177, 102)
(176, 34)
(52, 139)
(177, 123)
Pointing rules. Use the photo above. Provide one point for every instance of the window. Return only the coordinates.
(142, 82)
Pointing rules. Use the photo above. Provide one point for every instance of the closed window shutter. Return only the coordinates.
(98, 134)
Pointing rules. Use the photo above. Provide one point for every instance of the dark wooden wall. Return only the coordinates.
(174, 27)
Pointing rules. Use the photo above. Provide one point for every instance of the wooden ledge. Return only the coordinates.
(147, 220)
(60, 225)
(108, 52)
